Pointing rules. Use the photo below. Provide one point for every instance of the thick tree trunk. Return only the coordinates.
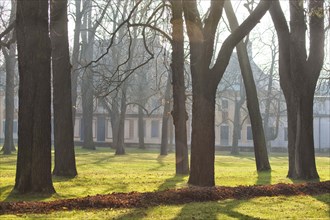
(260, 147)
(33, 170)
(179, 113)
(203, 137)
(65, 164)
(292, 128)
(10, 60)
(141, 128)
(304, 145)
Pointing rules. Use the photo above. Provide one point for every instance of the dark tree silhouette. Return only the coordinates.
(33, 170)
(299, 71)
(179, 113)
(65, 164)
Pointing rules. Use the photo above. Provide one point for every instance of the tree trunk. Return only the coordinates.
(120, 147)
(75, 59)
(237, 119)
(166, 115)
(205, 79)
(33, 170)
(237, 129)
(179, 113)
(304, 148)
(87, 82)
(299, 72)
(203, 136)
(260, 148)
(141, 128)
(10, 60)
(65, 164)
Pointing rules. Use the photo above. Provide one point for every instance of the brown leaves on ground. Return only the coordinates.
(168, 197)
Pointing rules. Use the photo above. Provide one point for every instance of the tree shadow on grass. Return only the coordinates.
(16, 196)
(212, 210)
(141, 213)
(133, 214)
(171, 183)
(57, 179)
(160, 161)
(324, 198)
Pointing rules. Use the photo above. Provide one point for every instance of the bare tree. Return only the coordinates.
(205, 80)
(299, 71)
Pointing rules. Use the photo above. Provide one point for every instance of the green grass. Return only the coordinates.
(101, 172)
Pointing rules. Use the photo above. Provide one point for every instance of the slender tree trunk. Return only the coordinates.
(87, 107)
(115, 118)
(237, 130)
(166, 115)
(33, 170)
(120, 147)
(141, 128)
(237, 119)
(10, 60)
(87, 82)
(75, 59)
(179, 113)
(65, 164)
(260, 148)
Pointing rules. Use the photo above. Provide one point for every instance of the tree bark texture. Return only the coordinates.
(298, 78)
(65, 164)
(33, 171)
(179, 113)
(259, 141)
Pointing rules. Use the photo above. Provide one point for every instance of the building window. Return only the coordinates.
(109, 129)
(131, 128)
(154, 128)
(224, 104)
(77, 128)
(249, 135)
(224, 135)
(144, 128)
(224, 116)
(285, 134)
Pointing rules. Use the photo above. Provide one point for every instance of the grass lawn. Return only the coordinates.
(101, 172)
